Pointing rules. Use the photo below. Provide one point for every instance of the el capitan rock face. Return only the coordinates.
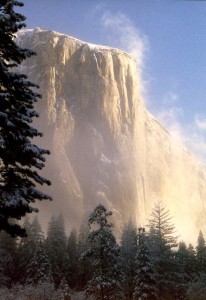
(105, 145)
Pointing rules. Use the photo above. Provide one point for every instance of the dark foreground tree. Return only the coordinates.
(146, 279)
(197, 288)
(39, 268)
(84, 265)
(28, 248)
(73, 255)
(8, 251)
(19, 157)
(106, 281)
(162, 241)
(201, 253)
(128, 254)
(56, 247)
(191, 267)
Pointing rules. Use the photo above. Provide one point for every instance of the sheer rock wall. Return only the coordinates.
(106, 147)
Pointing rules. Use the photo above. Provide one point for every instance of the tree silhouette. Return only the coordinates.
(19, 157)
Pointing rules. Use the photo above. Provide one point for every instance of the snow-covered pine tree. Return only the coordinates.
(107, 278)
(8, 257)
(181, 256)
(145, 282)
(28, 247)
(162, 241)
(201, 253)
(191, 266)
(39, 268)
(74, 258)
(128, 254)
(84, 265)
(19, 157)
(197, 288)
(56, 247)
(160, 223)
(22, 253)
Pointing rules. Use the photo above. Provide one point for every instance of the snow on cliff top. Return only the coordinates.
(30, 32)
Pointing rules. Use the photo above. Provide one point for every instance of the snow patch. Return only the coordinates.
(98, 48)
(25, 31)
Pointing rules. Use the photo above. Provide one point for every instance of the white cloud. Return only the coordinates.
(123, 34)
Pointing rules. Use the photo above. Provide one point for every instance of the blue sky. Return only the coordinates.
(168, 39)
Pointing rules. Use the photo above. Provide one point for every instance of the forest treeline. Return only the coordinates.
(147, 263)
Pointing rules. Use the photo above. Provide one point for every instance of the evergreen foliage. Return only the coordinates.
(163, 229)
(28, 246)
(84, 263)
(128, 254)
(182, 257)
(162, 240)
(145, 279)
(19, 157)
(73, 255)
(201, 253)
(56, 247)
(191, 266)
(197, 288)
(33, 268)
(106, 282)
(39, 268)
(8, 256)
(24, 252)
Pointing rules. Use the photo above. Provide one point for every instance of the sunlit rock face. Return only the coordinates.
(105, 146)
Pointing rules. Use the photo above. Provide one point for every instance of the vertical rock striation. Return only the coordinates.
(105, 145)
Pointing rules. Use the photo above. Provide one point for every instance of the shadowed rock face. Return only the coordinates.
(105, 146)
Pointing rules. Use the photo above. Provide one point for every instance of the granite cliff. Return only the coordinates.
(106, 147)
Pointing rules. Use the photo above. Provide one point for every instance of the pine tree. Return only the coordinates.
(84, 263)
(39, 268)
(197, 288)
(8, 256)
(19, 157)
(160, 223)
(182, 256)
(191, 266)
(201, 253)
(128, 254)
(28, 246)
(73, 255)
(145, 279)
(106, 282)
(162, 240)
(23, 256)
(56, 247)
